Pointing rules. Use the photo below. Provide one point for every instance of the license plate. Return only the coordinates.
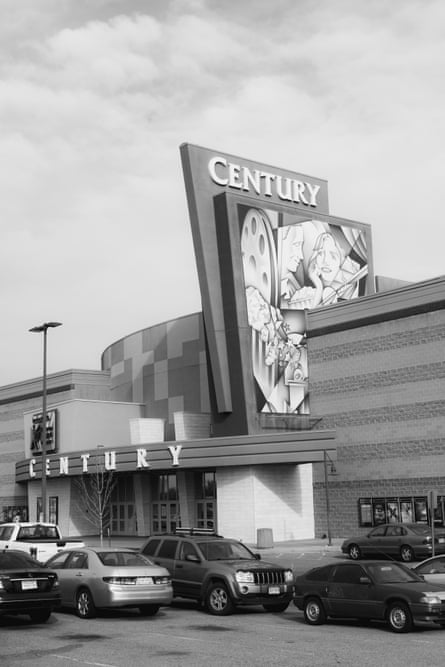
(144, 580)
(274, 590)
(441, 540)
(28, 585)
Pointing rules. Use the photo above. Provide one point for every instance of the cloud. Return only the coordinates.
(96, 96)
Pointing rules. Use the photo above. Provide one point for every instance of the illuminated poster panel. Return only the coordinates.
(291, 265)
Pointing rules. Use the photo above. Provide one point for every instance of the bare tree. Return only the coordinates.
(95, 490)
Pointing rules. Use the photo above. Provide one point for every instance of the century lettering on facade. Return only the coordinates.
(109, 461)
(229, 174)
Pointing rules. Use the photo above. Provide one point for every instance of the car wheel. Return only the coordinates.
(275, 608)
(40, 616)
(85, 607)
(399, 617)
(314, 612)
(354, 552)
(149, 609)
(406, 553)
(218, 601)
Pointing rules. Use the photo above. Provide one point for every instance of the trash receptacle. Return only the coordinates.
(264, 538)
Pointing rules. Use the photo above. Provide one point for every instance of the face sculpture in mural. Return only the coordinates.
(288, 269)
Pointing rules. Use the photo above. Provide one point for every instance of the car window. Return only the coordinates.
(123, 559)
(167, 549)
(391, 573)
(224, 550)
(150, 547)
(378, 532)
(77, 561)
(348, 574)
(58, 562)
(9, 561)
(395, 531)
(320, 573)
(6, 532)
(187, 549)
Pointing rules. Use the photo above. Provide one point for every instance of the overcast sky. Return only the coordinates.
(96, 97)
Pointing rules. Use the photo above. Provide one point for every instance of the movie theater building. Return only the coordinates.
(307, 397)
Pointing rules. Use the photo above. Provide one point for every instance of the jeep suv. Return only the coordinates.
(220, 573)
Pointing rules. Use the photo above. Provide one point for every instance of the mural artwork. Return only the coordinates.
(291, 265)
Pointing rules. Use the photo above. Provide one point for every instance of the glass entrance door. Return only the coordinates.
(123, 519)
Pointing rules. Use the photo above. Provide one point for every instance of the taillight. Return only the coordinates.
(121, 581)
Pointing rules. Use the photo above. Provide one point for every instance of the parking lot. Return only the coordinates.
(184, 635)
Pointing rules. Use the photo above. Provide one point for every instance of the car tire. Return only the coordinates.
(217, 600)
(354, 552)
(85, 607)
(314, 613)
(148, 609)
(399, 617)
(406, 553)
(277, 607)
(40, 616)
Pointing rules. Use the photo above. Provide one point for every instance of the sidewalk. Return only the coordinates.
(316, 545)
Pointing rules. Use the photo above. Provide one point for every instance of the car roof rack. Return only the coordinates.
(185, 530)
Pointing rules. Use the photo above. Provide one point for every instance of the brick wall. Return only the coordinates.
(382, 387)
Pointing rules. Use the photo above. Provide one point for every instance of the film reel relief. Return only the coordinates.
(262, 288)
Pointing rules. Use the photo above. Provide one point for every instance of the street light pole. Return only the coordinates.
(43, 328)
(328, 505)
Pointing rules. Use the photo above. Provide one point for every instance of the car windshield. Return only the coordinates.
(216, 550)
(392, 573)
(11, 561)
(123, 559)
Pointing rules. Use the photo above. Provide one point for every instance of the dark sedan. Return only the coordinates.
(404, 541)
(378, 590)
(26, 587)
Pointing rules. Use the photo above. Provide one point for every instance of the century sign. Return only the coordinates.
(265, 183)
(108, 462)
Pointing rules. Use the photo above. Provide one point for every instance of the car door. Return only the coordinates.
(165, 557)
(189, 570)
(348, 592)
(70, 567)
(392, 540)
(373, 544)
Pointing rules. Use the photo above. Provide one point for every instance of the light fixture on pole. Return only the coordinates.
(43, 328)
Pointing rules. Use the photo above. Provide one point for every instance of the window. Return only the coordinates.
(205, 491)
(59, 561)
(348, 574)
(150, 548)
(53, 514)
(168, 549)
(187, 549)
(320, 573)
(78, 561)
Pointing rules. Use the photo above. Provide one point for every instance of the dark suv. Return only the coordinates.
(221, 573)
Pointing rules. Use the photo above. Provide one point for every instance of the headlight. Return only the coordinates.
(244, 577)
(430, 599)
(288, 576)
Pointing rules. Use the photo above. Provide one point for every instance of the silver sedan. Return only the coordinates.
(93, 578)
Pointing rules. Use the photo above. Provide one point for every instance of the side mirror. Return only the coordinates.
(257, 556)
(192, 558)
